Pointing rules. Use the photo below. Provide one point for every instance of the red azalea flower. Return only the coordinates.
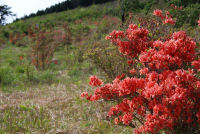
(94, 81)
(158, 13)
(132, 71)
(169, 21)
(56, 62)
(21, 57)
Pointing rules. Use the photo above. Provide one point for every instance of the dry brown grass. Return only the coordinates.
(64, 111)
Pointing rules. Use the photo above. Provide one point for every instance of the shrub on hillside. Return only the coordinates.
(163, 93)
(45, 44)
(107, 58)
(187, 15)
(43, 50)
(103, 54)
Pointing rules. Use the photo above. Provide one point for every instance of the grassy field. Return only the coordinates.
(48, 101)
(54, 109)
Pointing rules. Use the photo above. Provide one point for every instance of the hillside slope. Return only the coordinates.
(46, 62)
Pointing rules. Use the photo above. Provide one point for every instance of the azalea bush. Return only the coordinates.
(162, 94)
(45, 45)
(15, 39)
(157, 24)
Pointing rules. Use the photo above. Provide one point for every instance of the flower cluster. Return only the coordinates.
(167, 19)
(178, 51)
(198, 22)
(176, 7)
(94, 81)
(158, 13)
(165, 93)
(135, 43)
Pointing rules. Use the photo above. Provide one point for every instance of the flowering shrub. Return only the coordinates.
(45, 46)
(163, 93)
(42, 51)
(167, 19)
(15, 38)
(157, 30)
(67, 34)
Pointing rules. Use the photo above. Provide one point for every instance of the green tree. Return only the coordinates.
(4, 12)
(129, 6)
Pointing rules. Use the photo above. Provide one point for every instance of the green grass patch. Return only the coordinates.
(24, 119)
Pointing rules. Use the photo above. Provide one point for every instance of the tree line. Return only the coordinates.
(125, 6)
(66, 5)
